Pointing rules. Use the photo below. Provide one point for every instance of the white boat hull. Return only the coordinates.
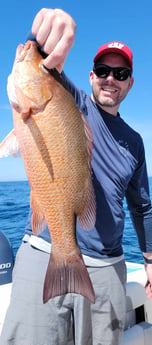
(138, 326)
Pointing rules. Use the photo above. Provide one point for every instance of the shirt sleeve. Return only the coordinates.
(139, 203)
(78, 94)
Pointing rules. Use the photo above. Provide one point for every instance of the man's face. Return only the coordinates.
(108, 92)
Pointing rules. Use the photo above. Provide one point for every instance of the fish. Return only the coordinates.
(55, 143)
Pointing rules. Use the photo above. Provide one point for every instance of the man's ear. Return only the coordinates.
(91, 77)
(131, 83)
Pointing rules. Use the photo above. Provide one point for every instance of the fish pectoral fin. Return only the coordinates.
(67, 276)
(10, 146)
(38, 218)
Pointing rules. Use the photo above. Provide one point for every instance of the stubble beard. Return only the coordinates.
(101, 101)
(107, 101)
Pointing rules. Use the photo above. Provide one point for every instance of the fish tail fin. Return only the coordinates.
(67, 276)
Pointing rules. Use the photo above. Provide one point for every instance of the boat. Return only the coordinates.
(6, 268)
(138, 325)
(6, 260)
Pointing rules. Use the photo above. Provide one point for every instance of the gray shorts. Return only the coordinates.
(68, 319)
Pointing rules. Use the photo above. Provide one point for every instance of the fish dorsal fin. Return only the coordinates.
(38, 219)
(87, 218)
(89, 138)
(10, 146)
(87, 215)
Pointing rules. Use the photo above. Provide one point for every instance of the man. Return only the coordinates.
(119, 170)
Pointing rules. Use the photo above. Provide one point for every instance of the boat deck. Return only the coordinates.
(138, 327)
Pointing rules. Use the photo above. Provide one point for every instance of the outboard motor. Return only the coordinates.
(6, 260)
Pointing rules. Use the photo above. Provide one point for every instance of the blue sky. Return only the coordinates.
(98, 22)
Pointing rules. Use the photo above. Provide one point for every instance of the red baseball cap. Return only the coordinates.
(115, 47)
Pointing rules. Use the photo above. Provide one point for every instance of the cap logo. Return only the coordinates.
(116, 45)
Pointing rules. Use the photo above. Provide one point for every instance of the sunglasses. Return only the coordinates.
(119, 73)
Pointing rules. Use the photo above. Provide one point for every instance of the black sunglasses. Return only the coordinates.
(119, 73)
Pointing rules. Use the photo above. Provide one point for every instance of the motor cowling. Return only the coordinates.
(6, 260)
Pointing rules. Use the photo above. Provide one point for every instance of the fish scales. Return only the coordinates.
(56, 146)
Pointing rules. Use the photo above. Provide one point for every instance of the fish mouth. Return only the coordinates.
(21, 52)
(24, 50)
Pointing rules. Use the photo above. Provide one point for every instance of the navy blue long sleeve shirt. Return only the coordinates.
(119, 170)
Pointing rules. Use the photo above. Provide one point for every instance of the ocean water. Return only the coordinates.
(14, 209)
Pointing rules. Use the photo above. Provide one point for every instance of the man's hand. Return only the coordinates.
(54, 30)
